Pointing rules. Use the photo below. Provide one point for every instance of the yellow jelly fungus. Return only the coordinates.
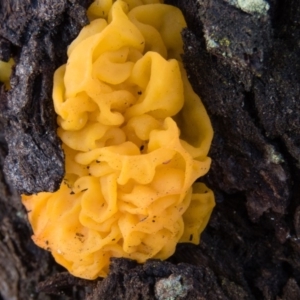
(5, 72)
(135, 137)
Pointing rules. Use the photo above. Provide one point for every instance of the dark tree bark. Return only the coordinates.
(243, 60)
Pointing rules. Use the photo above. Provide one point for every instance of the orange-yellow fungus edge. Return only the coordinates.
(136, 138)
(5, 72)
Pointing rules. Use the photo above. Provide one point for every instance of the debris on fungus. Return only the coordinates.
(135, 137)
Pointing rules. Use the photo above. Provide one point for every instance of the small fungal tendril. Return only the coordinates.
(5, 72)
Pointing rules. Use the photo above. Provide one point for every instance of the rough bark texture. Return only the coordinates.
(244, 62)
(37, 33)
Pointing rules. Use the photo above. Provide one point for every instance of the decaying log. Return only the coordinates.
(243, 59)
